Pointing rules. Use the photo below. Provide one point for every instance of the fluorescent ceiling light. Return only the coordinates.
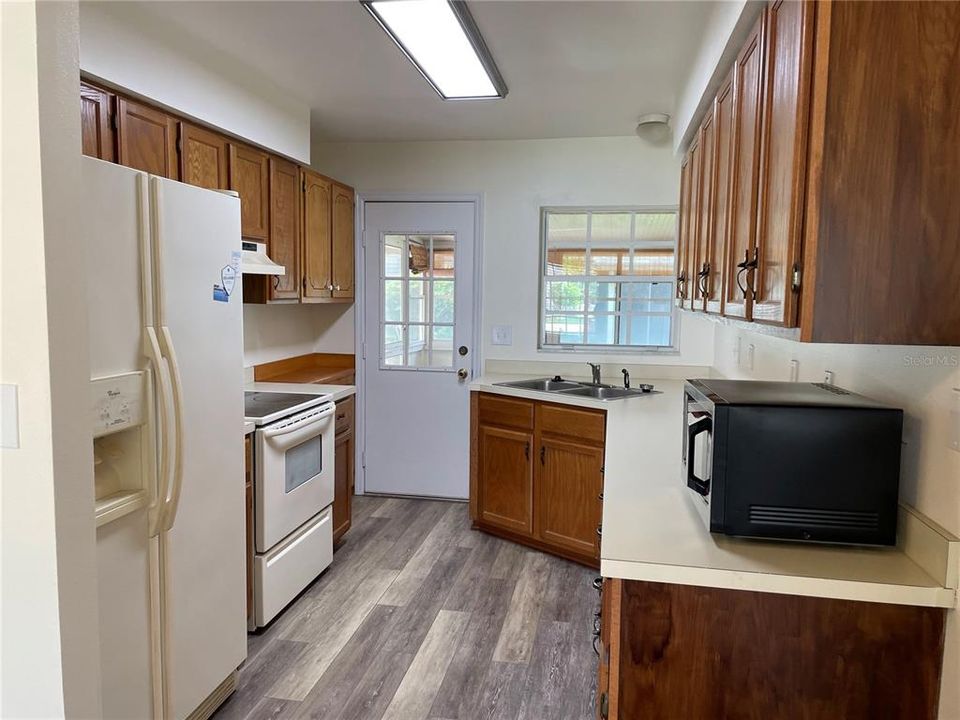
(441, 39)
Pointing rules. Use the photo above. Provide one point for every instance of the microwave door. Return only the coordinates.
(699, 455)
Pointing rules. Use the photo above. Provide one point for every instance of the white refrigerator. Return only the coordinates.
(166, 355)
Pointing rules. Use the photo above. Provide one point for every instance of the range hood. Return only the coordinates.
(254, 260)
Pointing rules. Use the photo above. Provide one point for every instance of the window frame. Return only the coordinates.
(542, 346)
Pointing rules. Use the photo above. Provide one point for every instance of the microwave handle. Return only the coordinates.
(693, 482)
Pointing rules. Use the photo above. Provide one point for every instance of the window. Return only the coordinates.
(416, 308)
(607, 278)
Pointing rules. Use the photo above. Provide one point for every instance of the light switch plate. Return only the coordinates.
(502, 335)
(9, 417)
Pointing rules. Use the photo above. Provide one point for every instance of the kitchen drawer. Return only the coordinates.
(509, 412)
(584, 425)
(346, 410)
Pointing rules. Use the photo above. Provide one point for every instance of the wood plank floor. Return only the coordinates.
(422, 618)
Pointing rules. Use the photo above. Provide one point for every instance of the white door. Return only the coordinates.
(197, 237)
(418, 334)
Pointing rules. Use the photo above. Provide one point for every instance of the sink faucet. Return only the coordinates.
(595, 369)
(626, 378)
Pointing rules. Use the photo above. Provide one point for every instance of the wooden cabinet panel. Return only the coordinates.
(343, 455)
(147, 139)
(683, 237)
(510, 412)
(708, 156)
(343, 242)
(786, 100)
(250, 177)
(505, 488)
(568, 489)
(745, 168)
(317, 271)
(883, 220)
(693, 234)
(346, 410)
(718, 220)
(97, 108)
(608, 668)
(284, 242)
(203, 158)
(581, 424)
(694, 652)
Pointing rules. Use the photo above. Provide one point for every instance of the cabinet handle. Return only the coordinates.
(342, 417)
(599, 530)
(600, 497)
(543, 454)
(276, 281)
(596, 647)
(702, 278)
(746, 266)
(337, 288)
(598, 584)
(304, 283)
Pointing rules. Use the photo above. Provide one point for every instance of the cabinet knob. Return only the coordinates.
(337, 288)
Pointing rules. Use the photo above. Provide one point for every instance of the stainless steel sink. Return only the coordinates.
(606, 393)
(570, 387)
(543, 384)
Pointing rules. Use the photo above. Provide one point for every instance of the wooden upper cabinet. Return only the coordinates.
(147, 139)
(783, 159)
(505, 486)
(317, 271)
(250, 177)
(203, 158)
(719, 218)
(284, 242)
(343, 242)
(744, 174)
(683, 239)
(704, 218)
(568, 498)
(97, 116)
(692, 261)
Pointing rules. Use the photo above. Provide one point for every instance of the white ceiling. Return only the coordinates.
(573, 69)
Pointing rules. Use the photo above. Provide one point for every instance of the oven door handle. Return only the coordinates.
(695, 483)
(296, 432)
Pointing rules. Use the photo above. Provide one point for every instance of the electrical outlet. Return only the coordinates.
(794, 370)
(828, 377)
(502, 335)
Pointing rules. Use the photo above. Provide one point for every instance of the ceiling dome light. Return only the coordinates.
(654, 128)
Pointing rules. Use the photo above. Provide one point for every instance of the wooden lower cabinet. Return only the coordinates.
(678, 651)
(343, 471)
(536, 474)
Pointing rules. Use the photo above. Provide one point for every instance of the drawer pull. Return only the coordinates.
(598, 584)
(599, 530)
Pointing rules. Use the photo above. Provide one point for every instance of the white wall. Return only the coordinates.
(517, 178)
(274, 332)
(48, 609)
(921, 380)
(147, 55)
(729, 23)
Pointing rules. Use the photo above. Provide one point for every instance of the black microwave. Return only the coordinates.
(792, 461)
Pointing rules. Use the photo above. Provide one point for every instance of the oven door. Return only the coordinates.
(698, 449)
(294, 473)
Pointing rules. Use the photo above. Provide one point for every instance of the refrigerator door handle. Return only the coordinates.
(172, 501)
(152, 348)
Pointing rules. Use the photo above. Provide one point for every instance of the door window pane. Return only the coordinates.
(393, 301)
(393, 256)
(443, 301)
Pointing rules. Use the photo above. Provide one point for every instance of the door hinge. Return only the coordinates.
(363, 351)
(363, 459)
(797, 276)
(114, 121)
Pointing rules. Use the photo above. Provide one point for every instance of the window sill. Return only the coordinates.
(607, 350)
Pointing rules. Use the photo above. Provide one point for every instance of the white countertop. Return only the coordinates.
(337, 392)
(652, 532)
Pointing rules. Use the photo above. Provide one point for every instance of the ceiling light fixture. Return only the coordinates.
(442, 41)
(654, 128)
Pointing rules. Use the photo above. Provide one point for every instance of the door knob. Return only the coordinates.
(462, 373)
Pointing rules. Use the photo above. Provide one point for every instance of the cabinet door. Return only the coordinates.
(203, 157)
(708, 158)
(284, 241)
(317, 275)
(343, 242)
(147, 139)
(719, 217)
(745, 167)
(506, 479)
(250, 176)
(568, 495)
(786, 100)
(692, 259)
(96, 122)
(683, 238)
(342, 484)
